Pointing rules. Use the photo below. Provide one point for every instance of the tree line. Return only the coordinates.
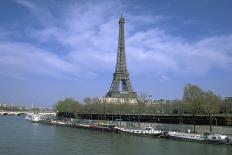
(195, 101)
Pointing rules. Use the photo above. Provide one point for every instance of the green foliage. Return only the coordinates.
(194, 96)
(142, 98)
(68, 105)
(212, 103)
(201, 101)
(195, 101)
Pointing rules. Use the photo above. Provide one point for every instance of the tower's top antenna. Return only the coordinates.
(121, 20)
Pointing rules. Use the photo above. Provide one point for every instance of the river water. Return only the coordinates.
(21, 137)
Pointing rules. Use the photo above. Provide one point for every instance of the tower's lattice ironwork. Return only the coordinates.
(121, 75)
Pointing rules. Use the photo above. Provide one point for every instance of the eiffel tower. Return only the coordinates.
(121, 75)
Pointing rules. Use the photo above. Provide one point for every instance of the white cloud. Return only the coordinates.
(161, 53)
(164, 78)
(22, 59)
(41, 13)
(89, 31)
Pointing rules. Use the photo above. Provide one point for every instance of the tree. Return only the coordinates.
(88, 105)
(211, 105)
(68, 105)
(141, 105)
(142, 98)
(212, 102)
(201, 101)
(194, 96)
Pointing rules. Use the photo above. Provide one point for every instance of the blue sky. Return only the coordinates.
(51, 49)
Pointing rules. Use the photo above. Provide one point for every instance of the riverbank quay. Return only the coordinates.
(106, 126)
(217, 120)
(220, 123)
(83, 124)
(109, 126)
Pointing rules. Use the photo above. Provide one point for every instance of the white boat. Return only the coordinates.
(33, 117)
(185, 136)
(203, 138)
(28, 117)
(146, 131)
(61, 123)
(83, 125)
(216, 138)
